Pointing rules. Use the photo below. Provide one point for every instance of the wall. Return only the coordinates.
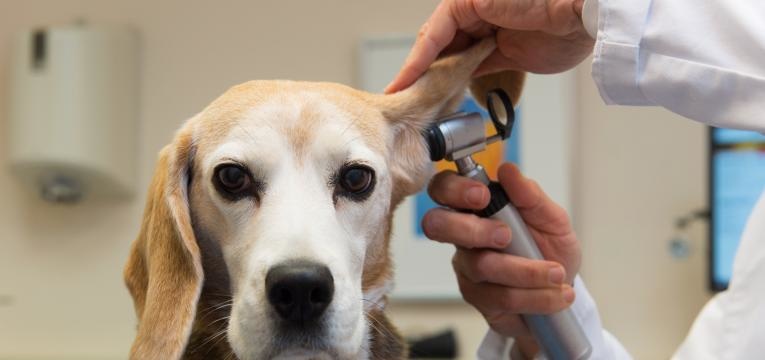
(61, 292)
(638, 169)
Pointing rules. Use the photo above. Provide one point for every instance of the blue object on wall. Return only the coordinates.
(737, 178)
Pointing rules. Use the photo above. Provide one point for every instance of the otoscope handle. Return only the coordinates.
(559, 335)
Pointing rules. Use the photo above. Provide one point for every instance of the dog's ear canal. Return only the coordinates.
(164, 270)
(437, 93)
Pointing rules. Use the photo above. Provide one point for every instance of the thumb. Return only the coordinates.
(535, 207)
(524, 193)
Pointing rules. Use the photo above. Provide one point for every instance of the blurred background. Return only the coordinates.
(633, 174)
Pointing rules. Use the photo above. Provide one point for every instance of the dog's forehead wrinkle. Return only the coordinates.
(324, 124)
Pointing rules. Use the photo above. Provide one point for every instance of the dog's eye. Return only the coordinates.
(233, 181)
(357, 181)
(233, 178)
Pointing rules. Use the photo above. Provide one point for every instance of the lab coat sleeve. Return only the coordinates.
(604, 345)
(702, 59)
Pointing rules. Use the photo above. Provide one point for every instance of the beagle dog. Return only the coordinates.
(265, 233)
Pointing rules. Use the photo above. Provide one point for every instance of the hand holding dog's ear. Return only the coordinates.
(436, 93)
(499, 285)
(541, 36)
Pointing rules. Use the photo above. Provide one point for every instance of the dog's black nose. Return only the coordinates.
(299, 290)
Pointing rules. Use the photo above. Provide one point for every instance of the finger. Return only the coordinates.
(536, 208)
(458, 192)
(517, 15)
(508, 324)
(503, 269)
(541, 52)
(433, 37)
(460, 42)
(493, 300)
(496, 62)
(465, 230)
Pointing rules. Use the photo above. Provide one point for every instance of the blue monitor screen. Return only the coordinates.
(737, 180)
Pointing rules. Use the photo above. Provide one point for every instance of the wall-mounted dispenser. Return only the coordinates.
(74, 111)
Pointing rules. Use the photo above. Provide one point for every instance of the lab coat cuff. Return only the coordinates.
(590, 17)
(494, 347)
(584, 307)
(616, 65)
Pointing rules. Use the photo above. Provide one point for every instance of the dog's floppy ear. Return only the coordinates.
(438, 92)
(510, 81)
(164, 271)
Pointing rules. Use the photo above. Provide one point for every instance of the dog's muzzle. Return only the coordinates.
(300, 291)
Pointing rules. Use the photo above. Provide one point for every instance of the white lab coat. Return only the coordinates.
(705, 60)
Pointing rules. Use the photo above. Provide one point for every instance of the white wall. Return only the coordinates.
(61, 292)
(638, 169)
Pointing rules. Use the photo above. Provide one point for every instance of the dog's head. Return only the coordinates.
(292, 184)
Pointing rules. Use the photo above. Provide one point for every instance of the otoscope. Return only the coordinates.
(456, 138)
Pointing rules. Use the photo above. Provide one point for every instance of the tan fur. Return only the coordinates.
(164, 273)
(176, 278)
(300, 135)
(510, 81)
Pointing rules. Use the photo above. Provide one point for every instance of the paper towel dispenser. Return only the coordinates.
(74, 111)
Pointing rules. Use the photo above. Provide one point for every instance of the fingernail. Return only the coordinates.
(475, 196)
(556, 275)
(500, 237)
(434, 224)
(568, 294)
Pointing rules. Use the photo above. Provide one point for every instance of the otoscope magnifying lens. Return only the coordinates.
(501, 111)
(497, 108)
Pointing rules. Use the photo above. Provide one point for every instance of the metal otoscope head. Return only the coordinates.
(463, 134)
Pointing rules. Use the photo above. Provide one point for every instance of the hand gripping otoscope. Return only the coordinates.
(461, 135)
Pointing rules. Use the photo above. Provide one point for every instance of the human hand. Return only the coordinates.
(540, 36)
(500, 285)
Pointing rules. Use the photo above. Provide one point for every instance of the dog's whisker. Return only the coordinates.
(215, 307)
(374, 322)
(377, 304)
(219, 304)
(225, 295)
(221, 338)
(230, 356)
(223, 333)
(226, 318)
(223, 304)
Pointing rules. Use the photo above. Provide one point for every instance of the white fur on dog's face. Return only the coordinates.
(295, 146)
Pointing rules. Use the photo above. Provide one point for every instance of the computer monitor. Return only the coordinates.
(736, 180)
